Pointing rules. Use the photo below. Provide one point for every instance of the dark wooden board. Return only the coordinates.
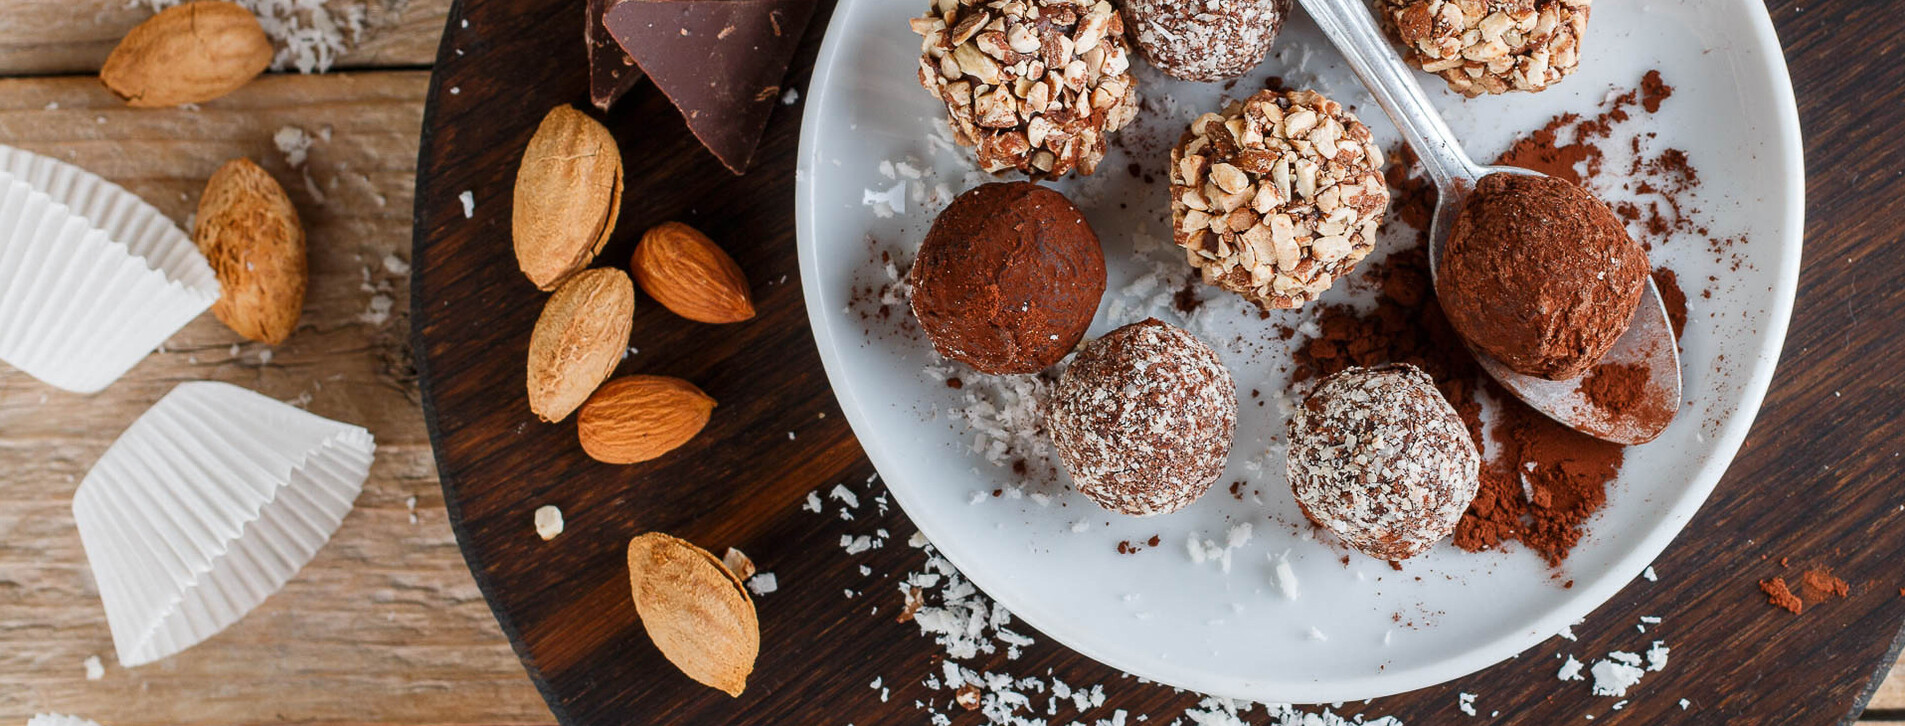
(1817, 480)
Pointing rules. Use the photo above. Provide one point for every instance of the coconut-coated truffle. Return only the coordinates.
(1198, 40)
(1378, 457)
(1143, 419)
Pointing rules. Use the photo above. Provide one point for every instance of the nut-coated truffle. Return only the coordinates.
(1143, 419)
(1540, 274)
(1008, 278)
(1197, 40)
(1381, 459)
(1277, 197)
(1035, 85)
(1490, 46)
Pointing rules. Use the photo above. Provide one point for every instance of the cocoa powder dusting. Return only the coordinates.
(1673, 298)
(1820, 584)
(1615, 386)
(1780, 597)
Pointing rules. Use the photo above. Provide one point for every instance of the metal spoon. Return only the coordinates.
(1649, 340)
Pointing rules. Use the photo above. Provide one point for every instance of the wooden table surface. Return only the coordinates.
(386, 625)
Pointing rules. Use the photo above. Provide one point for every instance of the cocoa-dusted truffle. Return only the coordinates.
(1278, 196)
(1490, 46)
(1540, 274)
(1008, 278)
(1197, 40)
(1143, 419)
(1036, 85)
(1381, 459)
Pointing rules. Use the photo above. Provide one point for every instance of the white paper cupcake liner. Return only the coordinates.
(92, 278)
(207, 505)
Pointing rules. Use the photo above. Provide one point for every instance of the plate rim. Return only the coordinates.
(1784, 129)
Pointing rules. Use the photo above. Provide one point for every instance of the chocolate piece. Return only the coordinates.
(611, 71)
(1008, 278)
(1540, 274)
(719, 61)
(1143, 419)
(1379, 457)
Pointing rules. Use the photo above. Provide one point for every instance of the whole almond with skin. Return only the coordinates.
(188, 53)
(695, 610)
(249, 232)
(638, 418)
(578, 340)
(684, 271)
(568, 196)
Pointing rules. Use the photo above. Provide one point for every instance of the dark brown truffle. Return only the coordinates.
(1379, 457)
(1008, 279)
(1540, 274)
(1143, 419)
(1196, 40)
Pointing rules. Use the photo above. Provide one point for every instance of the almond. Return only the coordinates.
(638, 418)
(568, 196)
(578, 341)
(249, 232)
(684, 271)
(695, 610)
(188, 53)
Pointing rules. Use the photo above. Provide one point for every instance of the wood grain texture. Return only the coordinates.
(1815, 482)
(385, 625)
(46, 37)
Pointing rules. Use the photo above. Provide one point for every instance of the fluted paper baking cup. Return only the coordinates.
(207, 505)
(92, 278)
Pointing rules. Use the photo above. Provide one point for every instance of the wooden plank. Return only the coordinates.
(385, 625)
(1813, 453)
(43, 37)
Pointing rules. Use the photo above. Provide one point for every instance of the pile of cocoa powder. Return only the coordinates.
(1540, 481)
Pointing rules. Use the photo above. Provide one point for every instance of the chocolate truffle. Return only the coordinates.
(1036, 85)
(1198, 40)
(1540, 274)
(1008, 278)
(1490, 46)
(1380, 458)
(1277, 197)
(1143, 419)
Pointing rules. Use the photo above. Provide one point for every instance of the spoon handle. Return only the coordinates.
(1353, 30)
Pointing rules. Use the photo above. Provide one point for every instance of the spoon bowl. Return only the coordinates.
(1647, 344)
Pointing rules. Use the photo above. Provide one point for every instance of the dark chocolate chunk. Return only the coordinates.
(719, 61)
(611, 71)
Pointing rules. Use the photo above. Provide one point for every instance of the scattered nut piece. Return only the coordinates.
(1490, 46)
(638, 418)
(695, 610)
(688, 274)
(738, 563)
(249, 232)
(968, 697)
(190, 53)
(568, 196)
(578, 341)
(548, 522)
(1278, 196)
(1036, 85)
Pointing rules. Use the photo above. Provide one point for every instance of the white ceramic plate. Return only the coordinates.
(1161, 615)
